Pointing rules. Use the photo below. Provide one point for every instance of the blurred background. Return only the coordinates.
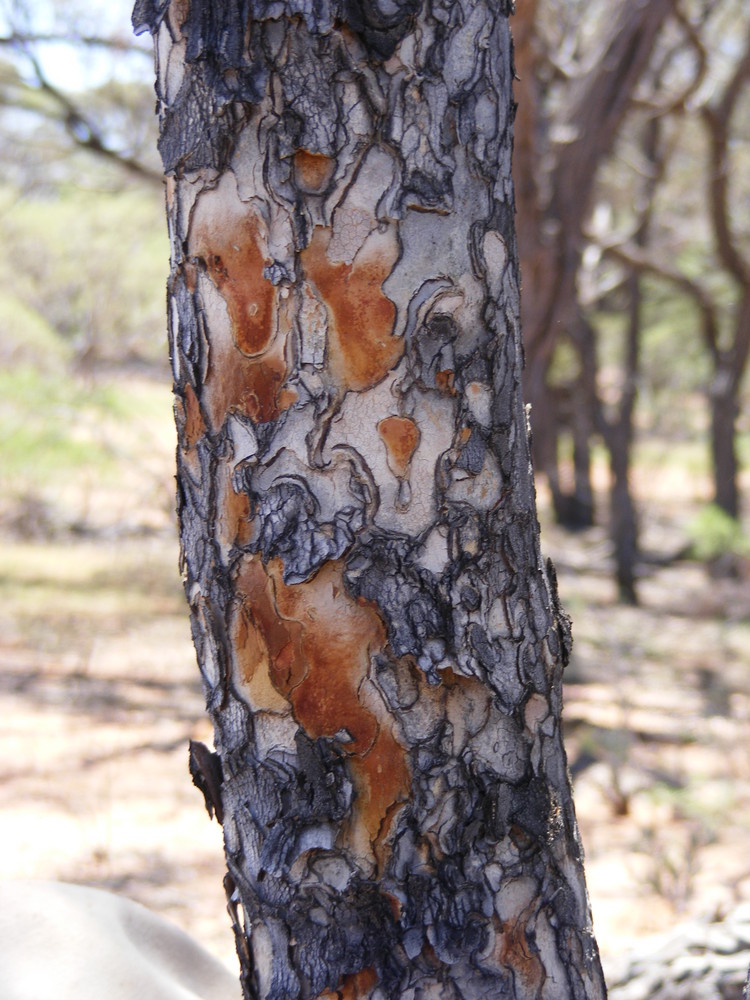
(632, 169)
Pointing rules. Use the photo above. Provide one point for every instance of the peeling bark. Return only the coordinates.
(380, 643)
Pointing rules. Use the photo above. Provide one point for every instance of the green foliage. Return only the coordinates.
(713, 533)
(50, 426)
(82, 321)
(81, 452)
(27, 337)
(565, 365)
(89, 267)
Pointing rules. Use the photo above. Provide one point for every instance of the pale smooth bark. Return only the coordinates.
(380, 642)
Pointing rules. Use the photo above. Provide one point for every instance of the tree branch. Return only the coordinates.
(638, 260)
(679, 103)
(604, 98)
(84, 132)
(21, 39)
(718, 120)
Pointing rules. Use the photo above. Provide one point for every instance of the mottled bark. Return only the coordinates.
(380, 643)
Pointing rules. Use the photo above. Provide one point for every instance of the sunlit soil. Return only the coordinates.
(99, 694)
(657, 722)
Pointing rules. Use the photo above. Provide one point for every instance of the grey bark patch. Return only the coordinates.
(195, 133)
(148, 14)
(187, 344)
(292, 530)
(383, 569)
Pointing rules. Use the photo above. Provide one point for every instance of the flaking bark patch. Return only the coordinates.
(194, 426)
(520, 955)
(308, 646)
(401, 438)
(313, 171)
(362, 348)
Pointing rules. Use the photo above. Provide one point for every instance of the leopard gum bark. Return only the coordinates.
(380, 643)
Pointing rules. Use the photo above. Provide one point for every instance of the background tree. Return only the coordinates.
(380, 644)
(710, 129)
(618, 185)
(562, 151)
(49, 109)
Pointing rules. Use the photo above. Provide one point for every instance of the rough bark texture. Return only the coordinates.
(380, 643)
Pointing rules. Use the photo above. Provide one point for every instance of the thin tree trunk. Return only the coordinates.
(624, 521)
(724, 413)
(729, 366)
(618, 432)
(380, 643)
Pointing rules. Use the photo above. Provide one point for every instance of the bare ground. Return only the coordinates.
(99, 694)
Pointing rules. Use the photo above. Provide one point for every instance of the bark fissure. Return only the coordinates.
(379, 640)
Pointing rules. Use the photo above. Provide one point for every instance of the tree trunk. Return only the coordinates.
(729, 366)
(623, 529)
(380, 643)
(724, 413)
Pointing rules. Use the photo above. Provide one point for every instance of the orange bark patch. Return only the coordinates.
(170, 187)
(178, 12)
(246, 371)
(516, 954)
(383, 781)
(190, 428)
(362, 348)
(195, 425)
(444, 381)
(339, 634)
(312, 171)
(355, 986)
(228, 241)
(287, 397)
(395, 904)
(401, 437)
(253, 662)
(232, 513)
(313, 643)
(234, 382)
(276, 645)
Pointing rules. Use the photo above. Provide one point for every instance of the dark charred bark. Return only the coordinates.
(380, 643)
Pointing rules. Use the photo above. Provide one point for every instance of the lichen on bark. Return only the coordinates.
(380, 643)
